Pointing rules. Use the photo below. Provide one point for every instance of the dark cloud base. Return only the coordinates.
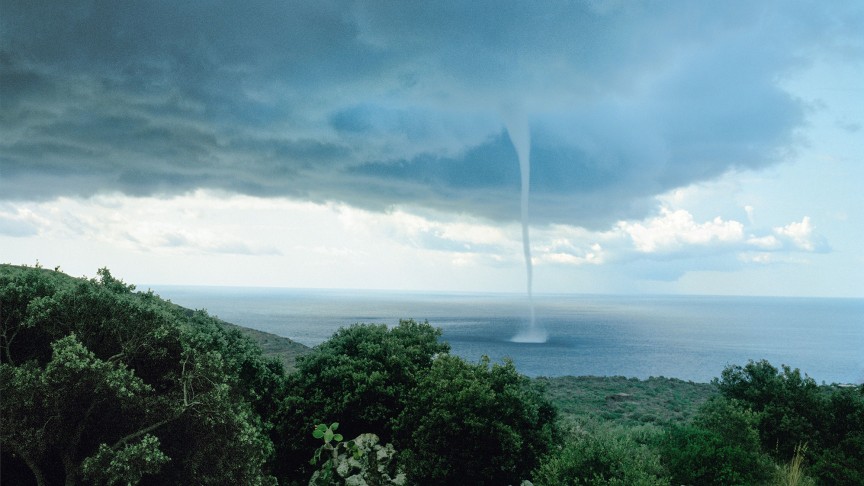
(378, 106)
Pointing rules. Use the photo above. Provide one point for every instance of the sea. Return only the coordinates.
(692, 338)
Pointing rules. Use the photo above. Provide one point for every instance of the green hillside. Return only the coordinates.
(274, 346)
(626, 401)
(103, 384)
(281, 348)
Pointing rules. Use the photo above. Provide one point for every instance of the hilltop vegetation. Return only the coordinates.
(105, 385)
(101, 384)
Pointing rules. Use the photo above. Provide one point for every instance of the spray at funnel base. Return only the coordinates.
(520, 136)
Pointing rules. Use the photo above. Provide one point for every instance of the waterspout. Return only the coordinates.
(520, 136)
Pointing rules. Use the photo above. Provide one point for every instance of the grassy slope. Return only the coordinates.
(272, 345)
(626, 401)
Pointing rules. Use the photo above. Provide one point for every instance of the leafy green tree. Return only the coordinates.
(103, 384)
(449, 419)
(20, 290)
(792, 408)
(732, 420)
(839, 458)
(127, 465)
(473, 424)
(720, 447)
(361, 377)
(72, 387)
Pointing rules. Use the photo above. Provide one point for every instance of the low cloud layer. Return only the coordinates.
(217, 223)
(382, 104)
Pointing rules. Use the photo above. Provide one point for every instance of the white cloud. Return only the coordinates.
(768, 242)
(675, 229)
(201, 222)
(19, 222)
(435, 232)
(799, 233)
(594, 255)
(304, 244)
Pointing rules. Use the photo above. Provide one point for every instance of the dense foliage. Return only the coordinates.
(361, 377)
(101, 384)
(473, 424)
(599, 454)
(448, 418)
(793, 410)
(720, 446)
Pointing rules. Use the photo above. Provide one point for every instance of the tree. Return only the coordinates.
(103, 384)
(720, 447)
(794, 411)
(792, 408)
(450, 420)
(19, 291)
(361, 377)
(839, 458)
(47, 409)
(473, 424)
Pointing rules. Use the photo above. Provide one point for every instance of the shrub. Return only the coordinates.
(602, 455)
(720, 447)
(473, 424)
(102, 383)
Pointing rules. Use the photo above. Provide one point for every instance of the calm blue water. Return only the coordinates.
(692, 338)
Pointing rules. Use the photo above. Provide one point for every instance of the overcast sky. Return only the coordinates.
(674, 147)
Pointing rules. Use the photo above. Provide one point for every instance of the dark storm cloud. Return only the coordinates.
(402, 103)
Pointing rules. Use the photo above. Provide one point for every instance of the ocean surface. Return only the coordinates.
(687, 337)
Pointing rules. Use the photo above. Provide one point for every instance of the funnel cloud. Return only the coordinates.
(520, 135)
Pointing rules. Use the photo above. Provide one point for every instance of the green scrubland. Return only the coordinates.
(103, 384)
